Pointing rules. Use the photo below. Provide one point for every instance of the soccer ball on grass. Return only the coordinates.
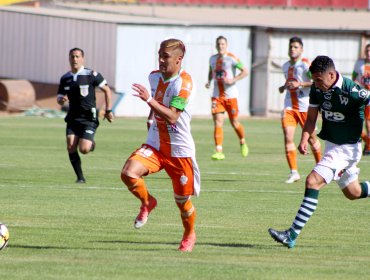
(4, 236)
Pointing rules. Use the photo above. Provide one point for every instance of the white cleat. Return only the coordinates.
(293, 177)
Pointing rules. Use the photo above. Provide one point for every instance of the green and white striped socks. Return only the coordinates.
(305, 212)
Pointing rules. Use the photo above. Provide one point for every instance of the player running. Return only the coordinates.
(297, 87)
(222, 71)
(361, 75)
(341, 103)
(169, 144)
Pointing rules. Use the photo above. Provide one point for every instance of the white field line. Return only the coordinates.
(156, 189)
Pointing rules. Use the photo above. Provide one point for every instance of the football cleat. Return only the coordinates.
(187, 243)
(282, 237)
(81, 181)
(218, 156)
(145, 210)
(293, 177)
(244, 150)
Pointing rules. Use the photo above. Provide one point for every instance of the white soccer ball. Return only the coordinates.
(4, 236)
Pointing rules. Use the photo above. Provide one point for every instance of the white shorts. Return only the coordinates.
(339, 163)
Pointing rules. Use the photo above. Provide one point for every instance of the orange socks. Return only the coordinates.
(291, 157)
(137, 187)
(219, 136)
(188, 215)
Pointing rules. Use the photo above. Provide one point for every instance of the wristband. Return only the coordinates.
(108, 111)
(149, 99)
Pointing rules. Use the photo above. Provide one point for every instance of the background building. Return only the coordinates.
(121, 41)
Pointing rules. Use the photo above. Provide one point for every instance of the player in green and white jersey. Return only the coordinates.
(341, 103)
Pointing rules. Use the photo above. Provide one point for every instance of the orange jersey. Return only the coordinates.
(297, 99)
(361, 73)
(173, 140)
(224, 67)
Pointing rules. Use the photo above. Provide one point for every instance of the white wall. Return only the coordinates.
(343, 48)
(137, 48)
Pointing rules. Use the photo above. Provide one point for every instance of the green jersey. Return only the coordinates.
(342, 110)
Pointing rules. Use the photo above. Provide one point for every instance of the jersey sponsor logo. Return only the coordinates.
(363, 93)
(159, 95)
(172, 128)
(333, 116)
(84, 90)
(220, 74)
(326, 105)
(343, 100)
(327, 95)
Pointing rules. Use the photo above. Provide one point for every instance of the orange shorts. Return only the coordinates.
(183, 172)
(367, 112)
(220, 105)
(292, 118)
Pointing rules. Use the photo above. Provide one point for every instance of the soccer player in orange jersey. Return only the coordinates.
(222, 71)
(297, 87)
(169, 144)
(361, 75)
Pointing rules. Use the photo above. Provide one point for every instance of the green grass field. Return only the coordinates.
(63, 230)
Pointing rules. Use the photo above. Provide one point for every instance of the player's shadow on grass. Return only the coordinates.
(229, 245)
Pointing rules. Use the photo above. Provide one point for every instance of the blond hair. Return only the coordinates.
(175, 44)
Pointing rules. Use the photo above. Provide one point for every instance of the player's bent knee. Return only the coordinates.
(84, 151)
(352, 193)
(311, 183)
(130, 182)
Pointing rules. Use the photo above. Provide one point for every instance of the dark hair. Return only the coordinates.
(77, 49)
(221, 38)
(296, 39)
(321, 64)
(368, 45)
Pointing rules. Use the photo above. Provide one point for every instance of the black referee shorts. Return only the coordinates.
(82, 128)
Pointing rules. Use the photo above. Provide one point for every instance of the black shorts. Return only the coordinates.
(82, 128)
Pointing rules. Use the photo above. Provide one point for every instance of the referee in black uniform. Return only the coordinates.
(78, 87)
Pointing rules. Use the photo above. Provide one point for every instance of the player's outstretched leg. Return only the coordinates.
(308, 206)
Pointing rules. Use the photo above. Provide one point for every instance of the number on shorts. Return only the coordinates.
(146, 151)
